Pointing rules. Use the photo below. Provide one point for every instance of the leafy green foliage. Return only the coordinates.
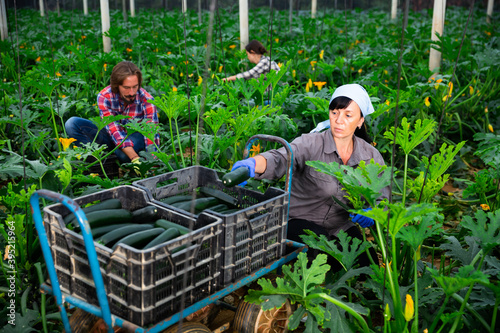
(408, 139)
(465, 276)
(416, 234)
(485, 228)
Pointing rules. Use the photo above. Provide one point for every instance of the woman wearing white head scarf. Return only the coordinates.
(311, 204)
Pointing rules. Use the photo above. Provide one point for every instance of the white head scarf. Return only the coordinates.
(358, 94)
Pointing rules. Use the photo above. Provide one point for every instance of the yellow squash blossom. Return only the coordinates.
(105, 67)
(485, 207)
(309, 85)
(277, 40)
(220, 68)
(294, 73)
(387, 102)
(280, 64)
(200, 80)
(313, 63)
(321, 54)
(169, 52)
(319, 84)
(360, 70)
(490, 127)
(58, 74)
(486, 110)
(409, 308)
(232, 46)
(174, 89)
(186, 62)
(386, 72)
(427, 101)
(129, 50)
(301, 51)
(38, 59)
(471, 90)
(66, 142)
(94, 175)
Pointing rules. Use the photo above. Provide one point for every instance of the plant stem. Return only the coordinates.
(40, 280)
(461, 311)
(179, 143)
(472, 311)
(404, 179)
(173, 142)
(437, 318)
(414, 327)
(494, 317)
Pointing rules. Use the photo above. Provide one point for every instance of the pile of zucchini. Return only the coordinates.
(205, 198)
(110, 225)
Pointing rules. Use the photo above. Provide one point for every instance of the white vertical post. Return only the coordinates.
(4, 31)
(314, 5)
(124, 10)
(394, 9)
(106, 41)
(290, 15)
(437, 27)
(243, 24)
(132, 8)
(85, 7)
(184, 6)
(489, 11)
(42, 9)
(199, 12)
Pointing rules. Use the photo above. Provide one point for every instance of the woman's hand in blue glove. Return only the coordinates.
(249, 163)
(363, 221)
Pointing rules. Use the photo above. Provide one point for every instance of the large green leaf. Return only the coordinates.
(485, 227)
(458, 252)
(465, 276)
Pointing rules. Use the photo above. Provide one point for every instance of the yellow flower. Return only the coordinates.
(387, 102)
(386, 72)
(63, 96)
(220, 68)
(174, 89)
(280, 64)
(255, 150)
(471, 90)
(169, 52)
(38, 59)
(486, 110)
(58, 74)
(309, 85)
(321, 54)
(294, 73)
(277, 40)
(485, 207)
(7, 250)
(186, 62)
(232, 46)
(200, 80)
(426, 331)
(181, 74)
(129, 50)
(301, 51)
(66, 142)
(450, 88)
(94, 175)
(105, 67)
(427, 101)
(409, 308)
(83, 36)
(313, 63)
(156, 50)
(360, 70)
(319, 84)
(172, 68)
(490, 127)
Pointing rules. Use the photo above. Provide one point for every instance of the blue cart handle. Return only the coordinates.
(89, 246)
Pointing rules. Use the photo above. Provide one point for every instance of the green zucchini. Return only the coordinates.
(111, 237)
(199, 204)
(139, 239)
(99, 231)
(219, 207)
(145, 214)
(162, 223)
(236, 177)
(176, 198)
(224, 197)
(165, 236)
(105, 204)
(106, 217)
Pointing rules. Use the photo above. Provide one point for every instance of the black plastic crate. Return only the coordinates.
(253, 236)
(143, 286)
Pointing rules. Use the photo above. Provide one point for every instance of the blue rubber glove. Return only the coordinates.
(363, 221)
(249, 163)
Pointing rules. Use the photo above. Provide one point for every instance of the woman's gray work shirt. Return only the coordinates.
(312, 191)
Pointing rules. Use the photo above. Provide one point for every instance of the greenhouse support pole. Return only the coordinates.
(290, 15)
(4, 31)
(184, 6)
(199, 12)
(85, 7)
(106, 41)
(394, 9)
(42, 9)
(132, 8)
(243, 23)
(437, 28)
(489, 11)
(124, 10)
(314, 6)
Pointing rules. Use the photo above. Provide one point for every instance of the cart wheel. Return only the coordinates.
(83, 322)
(250, 318)
(188, 327)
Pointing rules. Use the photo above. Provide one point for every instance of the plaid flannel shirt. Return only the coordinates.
(264, 66)
(111, 104)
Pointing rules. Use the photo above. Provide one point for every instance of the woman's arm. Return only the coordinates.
(260, 164)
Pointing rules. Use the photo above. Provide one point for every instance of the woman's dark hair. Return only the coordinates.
(256, 47)
(122, 71)
(342, 102)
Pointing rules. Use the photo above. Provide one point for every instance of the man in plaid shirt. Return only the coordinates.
(124, 96)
